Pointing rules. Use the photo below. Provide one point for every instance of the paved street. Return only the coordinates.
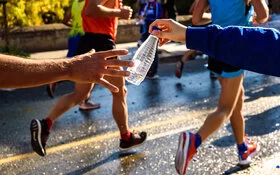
(87, 142)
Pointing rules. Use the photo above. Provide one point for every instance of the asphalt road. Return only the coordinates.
(87, 142)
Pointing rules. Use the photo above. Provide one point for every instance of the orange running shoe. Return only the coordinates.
(253, 148)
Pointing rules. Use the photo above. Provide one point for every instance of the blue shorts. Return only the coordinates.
(222, 69)
(72, 45)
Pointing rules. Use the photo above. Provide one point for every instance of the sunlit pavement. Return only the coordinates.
(87, 142)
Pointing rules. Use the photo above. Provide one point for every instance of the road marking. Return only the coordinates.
(110, 136)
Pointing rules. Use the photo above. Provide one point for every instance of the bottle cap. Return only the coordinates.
(155, 28)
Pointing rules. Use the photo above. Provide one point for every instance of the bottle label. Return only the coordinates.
(136, 65)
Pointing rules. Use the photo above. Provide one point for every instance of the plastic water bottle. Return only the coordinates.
(143, 60)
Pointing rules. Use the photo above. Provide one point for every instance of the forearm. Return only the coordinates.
(18, 72)
(100, 11)
(204, 20)
(254, 49)
(261, 9)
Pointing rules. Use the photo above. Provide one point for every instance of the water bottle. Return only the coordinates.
(143, 60)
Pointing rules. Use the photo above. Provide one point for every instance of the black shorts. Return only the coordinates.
(223, 69)
(99, 42)
(219, 68)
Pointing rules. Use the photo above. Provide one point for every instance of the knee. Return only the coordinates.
(224, 113)
(122, 92)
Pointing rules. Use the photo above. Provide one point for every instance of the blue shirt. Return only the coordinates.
(152, 11)
(254, 49)
(230, 12)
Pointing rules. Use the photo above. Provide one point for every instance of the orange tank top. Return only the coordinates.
(107, 26)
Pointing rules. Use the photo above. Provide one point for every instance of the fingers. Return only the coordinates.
(115, 73)
(155, 23)
(162, 35)
(117, 63)
(111, 53)
(159, 23)
(163, 41)
(91, 51)
(108, 85)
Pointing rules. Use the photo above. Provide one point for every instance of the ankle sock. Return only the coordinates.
(242, 148)
(49, 124)
(126, 136)
(198, 141)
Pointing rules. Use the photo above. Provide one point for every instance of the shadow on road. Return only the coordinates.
(268, 91)
(256, 125)
(114, 156)
(235, 169)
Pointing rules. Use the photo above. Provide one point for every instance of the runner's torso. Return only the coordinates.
(107, 26)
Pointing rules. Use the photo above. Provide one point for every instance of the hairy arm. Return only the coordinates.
(87, 68)
(19, 72)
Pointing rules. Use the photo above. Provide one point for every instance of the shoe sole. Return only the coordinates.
(36, 137)
(134, 146)
(97, 106)
(250, 157)
(179, 70)
(178, 75)
(182, 153)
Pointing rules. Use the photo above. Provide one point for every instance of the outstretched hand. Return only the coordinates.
(91, 67)
(169, 30)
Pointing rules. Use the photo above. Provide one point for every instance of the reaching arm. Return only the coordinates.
(105, 9)
(20, 72)
(250, 48)
(255, 49)
(88, 68)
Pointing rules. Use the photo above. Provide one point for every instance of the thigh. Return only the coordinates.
(230, 92)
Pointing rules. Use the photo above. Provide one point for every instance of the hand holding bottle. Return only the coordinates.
(169, 30)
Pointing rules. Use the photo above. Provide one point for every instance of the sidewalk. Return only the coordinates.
(170, 52)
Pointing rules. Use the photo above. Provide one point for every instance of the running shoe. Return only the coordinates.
(89, 105)
(186, 151)
(179, 69)
(253, 148)
(136, 139)
(39, 136)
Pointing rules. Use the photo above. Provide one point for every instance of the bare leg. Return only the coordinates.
(70, 100)
(119, 110)
(180, 64)
(230, 90)
(187, 55)
(237, 119)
